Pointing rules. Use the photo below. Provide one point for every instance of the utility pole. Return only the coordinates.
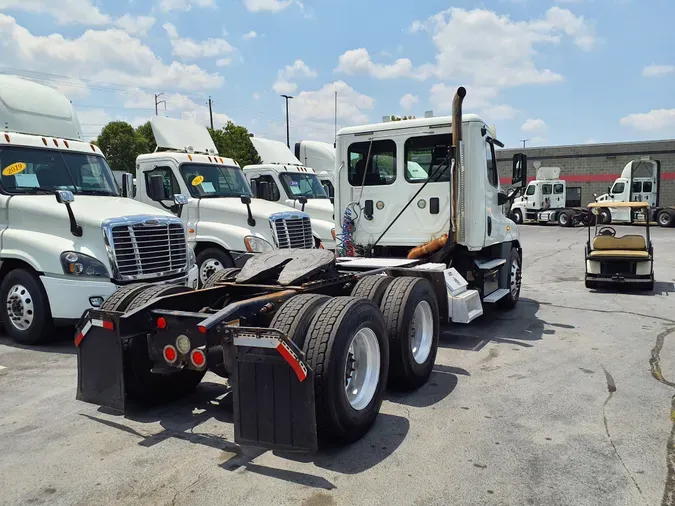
(157, 102)
(336, 105)
(288, 131)
(211, 112)
(524, 141)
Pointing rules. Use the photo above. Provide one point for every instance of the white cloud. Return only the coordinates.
(187, 48)
(109, 56)
(223, 62)
(284, 83)
(479, 99)
(499, 112)
(283, 87)
(658, 70)
(184, 5)
(250, 35)
(590, 141)
(656, 119)
(358, 62)
(353, 106)
(92, 121)
(408, 100)
(81, 12)
(267, 5)
(256, 95)
(532, 125)
(135, 25)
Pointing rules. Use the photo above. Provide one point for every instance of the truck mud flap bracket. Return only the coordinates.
(100, 361)
(274, 405)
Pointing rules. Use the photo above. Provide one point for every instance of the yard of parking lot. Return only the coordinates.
(565, 400)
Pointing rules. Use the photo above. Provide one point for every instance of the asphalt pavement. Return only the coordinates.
(568, 399)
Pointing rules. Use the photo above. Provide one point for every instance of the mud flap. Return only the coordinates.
(274, 404)
(100, 362)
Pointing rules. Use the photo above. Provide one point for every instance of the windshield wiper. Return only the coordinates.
(97, 192)
(31, 190)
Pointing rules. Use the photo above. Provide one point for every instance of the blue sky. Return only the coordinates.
(565, 72)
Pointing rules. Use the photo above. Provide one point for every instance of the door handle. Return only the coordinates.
(434, 205)
(368, 210)
(489, 226)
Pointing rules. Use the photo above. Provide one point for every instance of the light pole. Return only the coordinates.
(288, 132)
(524, 141)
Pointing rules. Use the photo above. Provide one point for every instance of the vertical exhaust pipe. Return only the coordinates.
(456, 143)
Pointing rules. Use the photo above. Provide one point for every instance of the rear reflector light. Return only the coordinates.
(161, 322)
(198, 358)
(170, 354)
(202, 329)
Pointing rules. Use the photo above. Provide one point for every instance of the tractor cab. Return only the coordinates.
(613, 260)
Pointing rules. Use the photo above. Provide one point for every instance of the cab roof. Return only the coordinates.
(444, 121)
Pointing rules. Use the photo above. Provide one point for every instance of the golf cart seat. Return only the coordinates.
(627, 246)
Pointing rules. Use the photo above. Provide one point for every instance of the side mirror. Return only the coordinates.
(303, 201)
(245, 199)
(127, 185)
(180, 200)
(502, 199)
(609, 189)
(519, 174)
(64, 196)
(157, 191)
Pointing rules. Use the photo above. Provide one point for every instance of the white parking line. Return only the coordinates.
(2, 367)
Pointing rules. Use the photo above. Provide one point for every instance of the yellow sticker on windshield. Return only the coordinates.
(197, 180)
(15, 168)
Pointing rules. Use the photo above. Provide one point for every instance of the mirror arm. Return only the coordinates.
(75, 228)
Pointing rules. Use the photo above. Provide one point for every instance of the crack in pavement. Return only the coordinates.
(550, 254)
(655, 367)
(199, 478)
(608, 311)
(611, 388)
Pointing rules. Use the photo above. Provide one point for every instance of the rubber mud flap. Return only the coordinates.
(272, 408)
(100, 366)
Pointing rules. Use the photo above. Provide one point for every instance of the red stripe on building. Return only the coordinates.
(589, 178)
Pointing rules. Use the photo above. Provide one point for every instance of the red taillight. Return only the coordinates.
(161, 322)
(170, 354)
(198, 358)
(202, 329)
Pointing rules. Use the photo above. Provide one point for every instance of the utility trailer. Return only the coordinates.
(309, 341)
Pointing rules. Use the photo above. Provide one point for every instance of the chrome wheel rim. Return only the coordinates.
(208, 268)
(664, 219)
(362, 369)
(514, 279)
(563, 219)
(421, 332)
(20, 310)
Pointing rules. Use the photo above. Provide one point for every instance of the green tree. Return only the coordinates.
(399, 118)
(121, 144)
(145, 130)
(234, 141)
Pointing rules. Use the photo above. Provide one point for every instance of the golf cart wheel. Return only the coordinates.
(221, 275)
(140, 381)
(25, 310)
(604, 216)
(517, 216)
(592, 284)
(295, 315)
(410, 311)
(515, 267)
(210, 261)
(120, 298)
(372, 287)
(565, 219)
(348, 350)
(665, 218)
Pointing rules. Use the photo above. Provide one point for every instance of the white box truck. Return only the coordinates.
(68, 236)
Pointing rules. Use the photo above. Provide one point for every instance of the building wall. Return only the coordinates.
(594, 167)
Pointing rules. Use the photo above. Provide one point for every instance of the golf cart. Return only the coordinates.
(627, 260)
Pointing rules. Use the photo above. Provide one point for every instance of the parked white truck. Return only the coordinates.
(321, 157)
(639, 181)
(283, 179)
(225, 224)
(545, 201)
(68, 237)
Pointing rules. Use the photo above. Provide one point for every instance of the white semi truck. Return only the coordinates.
(68, 236)
(283, 179)
(544, 201)
(321, 157)
(225, 224)
(639, 181)
(309, 341)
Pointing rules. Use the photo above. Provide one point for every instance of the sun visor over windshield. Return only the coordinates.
(182, 135)
(274, 152)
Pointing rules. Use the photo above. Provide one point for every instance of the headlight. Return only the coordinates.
(78, 264)
(192, 258)
(256, 244)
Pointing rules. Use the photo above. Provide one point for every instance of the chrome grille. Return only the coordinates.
(147, 248)
(292, 230)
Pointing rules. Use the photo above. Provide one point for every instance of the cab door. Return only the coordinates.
(620, 192)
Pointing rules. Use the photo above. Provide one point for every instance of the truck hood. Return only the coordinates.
(89, 210)
(320, 209)
(260, 208)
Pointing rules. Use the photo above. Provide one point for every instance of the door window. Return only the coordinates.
(546, 189)
(377, 169)
(171, 187)
(558, 188)
(273, 190)
(647, 186)
(493, 176)
(618, 188)
(531, 189)
(637, 186)
(427, 156)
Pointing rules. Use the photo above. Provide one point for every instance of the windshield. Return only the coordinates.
(214, 181)
(302, 185)
(36, 171)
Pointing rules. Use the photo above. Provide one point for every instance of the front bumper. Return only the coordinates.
(70, 297)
